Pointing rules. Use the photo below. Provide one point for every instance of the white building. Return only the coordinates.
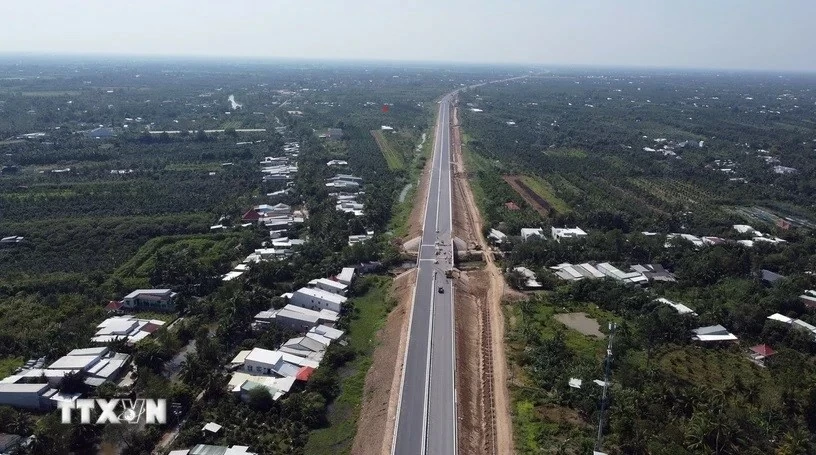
(335, 287)
(567, 233)
(497, 236)
(297, 318)
(151, 299)
(346, 276)
(526, 233)
(530, 278)
(263, 362)
(679, 307)
(615, 273)
(713, 333)
(125, 328)
(317, 299)
(28, 396)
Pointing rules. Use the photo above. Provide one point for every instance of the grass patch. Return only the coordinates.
(711, 367)
(546, 191)
(393, 157)
(371, 310)
(9, 364)
(136, 271)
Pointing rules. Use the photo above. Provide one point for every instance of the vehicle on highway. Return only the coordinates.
(441, 290)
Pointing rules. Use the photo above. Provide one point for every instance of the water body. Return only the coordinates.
(419, 147)
(235, 105)
(405, 191)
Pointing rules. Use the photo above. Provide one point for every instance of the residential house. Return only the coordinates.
(567, 233)
(100, 133)
(345, 178)
(205, 449)
(713, 333)
(770, 277)
(795, 323)
(151, 300)
(317, 299)
(11, 443)
(759, 353)
(746, 229)
(334, 134)
(497, 236)
(346, 276)
(127, 328)
(359, 238)
(619, 275)
(260, 361)
(526, 233)
(654, 272)
(335, 287)
(296, 318)
(808, 299)
(571, 272)
(679, 307)
(696, 241)
(26, 396)
(530, 281)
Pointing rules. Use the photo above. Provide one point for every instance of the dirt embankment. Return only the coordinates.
(534, 199)
(375, 427)
(484, 400)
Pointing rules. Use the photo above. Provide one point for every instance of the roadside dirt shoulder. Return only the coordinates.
(375, 427)
(485, 289)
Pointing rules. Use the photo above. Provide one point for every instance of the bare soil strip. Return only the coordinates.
(534, 199)
(484, 401)
(375, 427)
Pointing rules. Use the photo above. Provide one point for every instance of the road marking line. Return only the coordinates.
(428, 371)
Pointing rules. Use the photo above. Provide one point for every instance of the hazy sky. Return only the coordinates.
(751, 34)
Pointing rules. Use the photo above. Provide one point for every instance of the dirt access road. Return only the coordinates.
(482, 374)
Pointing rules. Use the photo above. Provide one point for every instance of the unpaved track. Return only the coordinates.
(481, 294)
(375, 427)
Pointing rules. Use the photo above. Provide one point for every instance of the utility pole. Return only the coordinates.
(608, 365)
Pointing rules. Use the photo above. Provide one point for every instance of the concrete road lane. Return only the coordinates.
(426, 418)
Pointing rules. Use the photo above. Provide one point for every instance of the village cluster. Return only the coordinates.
(641, 275)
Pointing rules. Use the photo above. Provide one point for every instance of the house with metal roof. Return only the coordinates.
(317, 299)
(151, 299)
(713, 333)
(335, 287)
(567, 233)
(346, 276)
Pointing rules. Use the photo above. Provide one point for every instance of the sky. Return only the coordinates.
(717, 34)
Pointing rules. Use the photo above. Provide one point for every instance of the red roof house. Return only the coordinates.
(251, 215)
(511, 206)
(304, 373)
(761, 352)
(114, 305)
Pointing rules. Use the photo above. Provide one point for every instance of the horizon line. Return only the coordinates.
(189, 58)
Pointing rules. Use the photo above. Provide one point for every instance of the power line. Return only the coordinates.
(607, 367)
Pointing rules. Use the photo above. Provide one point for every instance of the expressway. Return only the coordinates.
(426, 414)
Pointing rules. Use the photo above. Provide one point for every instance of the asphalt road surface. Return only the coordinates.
(426, 417)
